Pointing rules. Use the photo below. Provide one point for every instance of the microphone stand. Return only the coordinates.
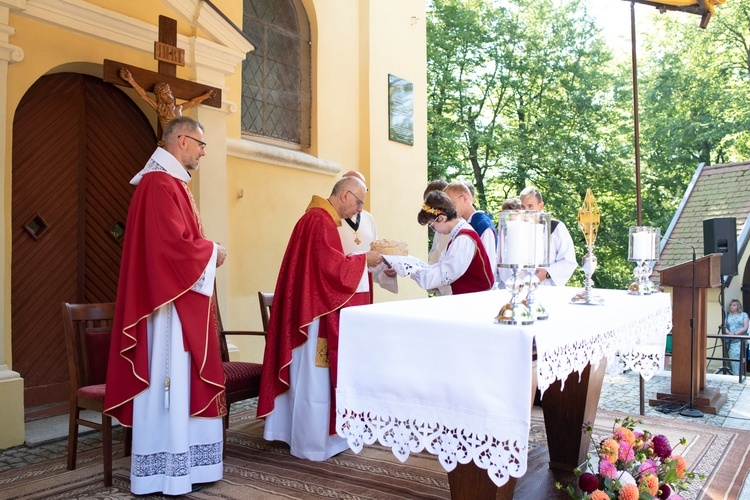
(690, 411)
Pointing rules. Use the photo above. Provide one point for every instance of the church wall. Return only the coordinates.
(396, 171)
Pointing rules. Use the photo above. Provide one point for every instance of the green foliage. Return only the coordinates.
(525, 92)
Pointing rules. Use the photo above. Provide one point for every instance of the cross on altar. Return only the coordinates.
(588, 218)
(164, 84)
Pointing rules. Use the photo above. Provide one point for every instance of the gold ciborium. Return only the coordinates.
(588, 221)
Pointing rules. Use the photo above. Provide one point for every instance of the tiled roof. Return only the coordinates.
(715, 191)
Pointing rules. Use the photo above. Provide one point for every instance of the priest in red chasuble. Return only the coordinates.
(165, 377)
(299, 365)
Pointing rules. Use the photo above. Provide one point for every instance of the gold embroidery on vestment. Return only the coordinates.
(321, 354)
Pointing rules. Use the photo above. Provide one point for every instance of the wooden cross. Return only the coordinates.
(169, 57)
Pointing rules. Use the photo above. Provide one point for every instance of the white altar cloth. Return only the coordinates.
(440, 375)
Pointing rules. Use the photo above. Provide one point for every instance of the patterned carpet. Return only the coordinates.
(257, 469)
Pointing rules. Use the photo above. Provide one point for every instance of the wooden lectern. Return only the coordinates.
(680, 278)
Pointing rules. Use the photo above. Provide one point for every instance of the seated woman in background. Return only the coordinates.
(737, 323)
(464, 266)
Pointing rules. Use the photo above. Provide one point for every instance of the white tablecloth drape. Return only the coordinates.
(440, 375)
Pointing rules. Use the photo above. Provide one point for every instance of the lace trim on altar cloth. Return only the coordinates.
(501, 457)
(637, 345)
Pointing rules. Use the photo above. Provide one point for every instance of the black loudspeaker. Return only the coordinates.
(720, 236)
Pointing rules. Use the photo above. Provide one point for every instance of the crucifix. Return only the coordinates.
(164, 84)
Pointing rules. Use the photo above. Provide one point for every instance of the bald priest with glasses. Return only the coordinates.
(315, 281)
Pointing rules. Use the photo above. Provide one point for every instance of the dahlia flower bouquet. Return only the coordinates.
(632, 464)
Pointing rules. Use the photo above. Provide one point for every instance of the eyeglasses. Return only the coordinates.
(359, 202)
(201, 144)
(432, 222)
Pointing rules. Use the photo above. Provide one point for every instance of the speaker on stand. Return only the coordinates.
(720, 236)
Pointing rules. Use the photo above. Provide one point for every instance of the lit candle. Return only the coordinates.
(518, 240)
(643, 245)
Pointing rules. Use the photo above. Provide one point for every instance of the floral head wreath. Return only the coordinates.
(430, 210)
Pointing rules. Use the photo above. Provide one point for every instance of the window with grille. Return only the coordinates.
(276, 88)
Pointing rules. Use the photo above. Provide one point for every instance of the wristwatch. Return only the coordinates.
(547, 276)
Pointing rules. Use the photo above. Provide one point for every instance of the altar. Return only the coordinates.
(440, 375)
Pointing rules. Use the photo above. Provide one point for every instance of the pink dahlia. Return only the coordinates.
(607, 469)
(648, 467)
(625, 453)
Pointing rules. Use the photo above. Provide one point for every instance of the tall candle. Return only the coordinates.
(643, 245)
(518, 242)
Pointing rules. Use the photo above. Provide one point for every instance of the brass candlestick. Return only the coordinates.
(588, 221)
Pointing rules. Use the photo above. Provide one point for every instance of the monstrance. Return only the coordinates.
(588, 221)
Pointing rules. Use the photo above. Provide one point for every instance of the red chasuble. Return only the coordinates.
(164, 255)
(315, 281)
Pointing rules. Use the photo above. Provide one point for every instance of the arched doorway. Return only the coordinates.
(76, 143)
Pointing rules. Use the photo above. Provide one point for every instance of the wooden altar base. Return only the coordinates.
(538, 482)
(709, 400)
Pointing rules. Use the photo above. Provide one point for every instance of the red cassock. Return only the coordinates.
(164, 255)
(315, 281)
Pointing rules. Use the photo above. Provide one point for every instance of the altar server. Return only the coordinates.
(357, 233)
(464, 267)
(562, 255)
(463, 199)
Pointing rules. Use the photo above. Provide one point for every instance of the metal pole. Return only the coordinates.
(637, 143)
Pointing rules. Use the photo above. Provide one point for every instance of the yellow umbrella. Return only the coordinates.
(704, 8)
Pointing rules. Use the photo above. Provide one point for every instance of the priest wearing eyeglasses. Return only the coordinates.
(317, 278)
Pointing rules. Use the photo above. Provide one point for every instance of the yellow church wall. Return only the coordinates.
(396, 45)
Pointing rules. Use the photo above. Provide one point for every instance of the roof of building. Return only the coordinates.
(715, 191)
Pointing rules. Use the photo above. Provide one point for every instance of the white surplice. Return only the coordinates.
(301, 416)
(359, 241)
(172, 450)
(453, 263)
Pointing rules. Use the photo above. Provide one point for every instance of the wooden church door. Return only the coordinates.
(77, 142)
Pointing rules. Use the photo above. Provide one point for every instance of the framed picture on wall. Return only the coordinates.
(400, 110)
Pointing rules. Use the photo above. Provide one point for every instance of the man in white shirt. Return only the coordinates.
(562, 251)
(356, 235)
